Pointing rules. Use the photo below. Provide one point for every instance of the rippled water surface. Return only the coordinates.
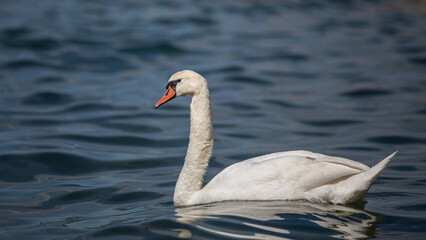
(84, 154)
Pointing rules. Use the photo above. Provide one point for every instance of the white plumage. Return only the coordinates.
(292, 175)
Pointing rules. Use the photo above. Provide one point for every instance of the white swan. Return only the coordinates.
(292, 175)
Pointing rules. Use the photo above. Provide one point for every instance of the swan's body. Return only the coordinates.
(292, 175)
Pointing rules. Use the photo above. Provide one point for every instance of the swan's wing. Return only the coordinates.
(313, 156)
(294, 171)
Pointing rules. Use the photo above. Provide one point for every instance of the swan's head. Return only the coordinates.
(183, 83)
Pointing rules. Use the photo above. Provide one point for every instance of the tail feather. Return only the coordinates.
(373, 173)
(359, 184)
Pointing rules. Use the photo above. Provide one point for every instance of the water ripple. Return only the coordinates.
(40, 44)
(418, 60)
(143, 49)
(396, 140)
(122, 140)
(282, 103)
(24, 167)
(27, 63)
(248, 80)
(78, 196)
(48, 98)
(360, 93)
(141, 196)
(331, 122)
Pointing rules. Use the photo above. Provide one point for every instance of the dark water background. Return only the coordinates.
(84, 154)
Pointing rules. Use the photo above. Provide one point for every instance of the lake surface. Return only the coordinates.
(85, 155)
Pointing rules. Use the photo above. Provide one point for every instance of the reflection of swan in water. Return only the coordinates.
(261, 220)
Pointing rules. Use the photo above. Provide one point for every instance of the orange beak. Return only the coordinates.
(169, 95)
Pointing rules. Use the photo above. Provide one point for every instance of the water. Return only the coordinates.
(84, 154)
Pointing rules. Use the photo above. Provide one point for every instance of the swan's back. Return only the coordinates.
(291, 175)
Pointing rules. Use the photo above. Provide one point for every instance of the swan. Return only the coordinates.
(290, 175)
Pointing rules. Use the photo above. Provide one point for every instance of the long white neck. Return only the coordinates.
(199, 149)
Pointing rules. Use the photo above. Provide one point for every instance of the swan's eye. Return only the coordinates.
(173, 84)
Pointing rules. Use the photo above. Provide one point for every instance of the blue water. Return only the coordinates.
(85, 155)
